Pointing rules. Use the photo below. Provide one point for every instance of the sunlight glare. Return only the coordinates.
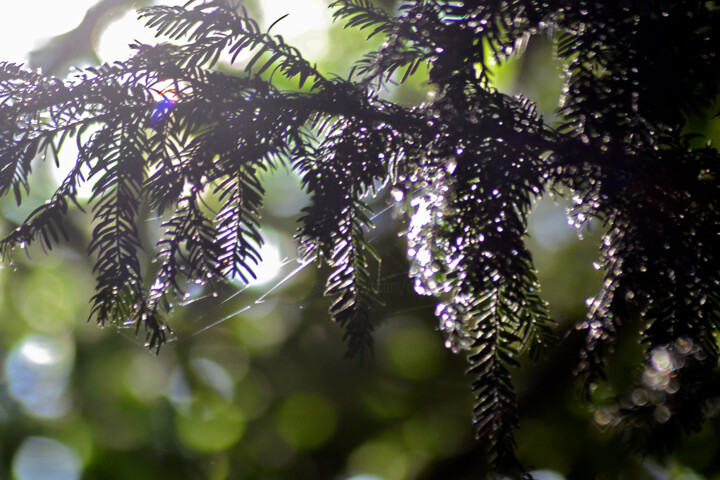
(305, 27)
(124, 29)
(270, 266)
(26, 25)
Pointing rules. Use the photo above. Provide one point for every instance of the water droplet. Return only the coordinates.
(639, 396)
(662, 414)
(662, 360)
(684, 346)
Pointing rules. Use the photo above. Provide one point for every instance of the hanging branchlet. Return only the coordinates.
(466, 239)
(351, 162)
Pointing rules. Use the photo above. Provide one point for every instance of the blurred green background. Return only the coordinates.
(254, 384)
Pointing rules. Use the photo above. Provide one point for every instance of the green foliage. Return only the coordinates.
(469, 165)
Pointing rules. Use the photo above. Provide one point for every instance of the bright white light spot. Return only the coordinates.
(40, 458)
(270, 265)
(123, 29)
(423, 256)
(422, 216)
(37, 371)
(26, 25)
(40, 352)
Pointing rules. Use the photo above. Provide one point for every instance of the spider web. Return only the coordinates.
(290, 268)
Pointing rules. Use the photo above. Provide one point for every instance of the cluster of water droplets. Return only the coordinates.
(452, 316)
(426, 209)
(579, 213)
(433, 256)
(661, 377)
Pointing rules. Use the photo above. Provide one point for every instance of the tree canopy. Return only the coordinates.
(186, 130)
